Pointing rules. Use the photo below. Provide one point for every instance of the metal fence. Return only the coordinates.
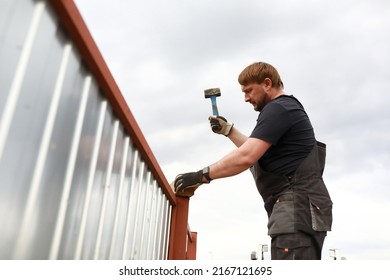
(73, 184)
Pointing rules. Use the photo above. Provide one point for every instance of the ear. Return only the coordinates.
(267, 83)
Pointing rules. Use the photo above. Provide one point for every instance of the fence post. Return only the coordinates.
(178, 238)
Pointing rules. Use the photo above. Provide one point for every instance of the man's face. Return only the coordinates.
(256, 94)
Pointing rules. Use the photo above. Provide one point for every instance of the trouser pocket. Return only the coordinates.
(321, 214)
(282, 217)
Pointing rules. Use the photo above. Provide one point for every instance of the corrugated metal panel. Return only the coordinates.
(77, 179)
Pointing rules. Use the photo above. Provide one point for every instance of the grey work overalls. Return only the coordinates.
(299, 203)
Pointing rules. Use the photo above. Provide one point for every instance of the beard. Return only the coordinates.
(260, 104)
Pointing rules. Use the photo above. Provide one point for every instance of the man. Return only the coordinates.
(286, 162)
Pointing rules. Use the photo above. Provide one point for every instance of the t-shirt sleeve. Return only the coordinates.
(272, 123)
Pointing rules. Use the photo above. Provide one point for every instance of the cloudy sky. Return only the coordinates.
(332, 55)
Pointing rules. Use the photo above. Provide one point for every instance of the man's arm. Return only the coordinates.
(249, 150)
(241, 158)
(233, 163)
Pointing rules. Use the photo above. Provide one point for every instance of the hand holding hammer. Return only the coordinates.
(218, 123)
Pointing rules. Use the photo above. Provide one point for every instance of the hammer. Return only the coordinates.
(212, 93)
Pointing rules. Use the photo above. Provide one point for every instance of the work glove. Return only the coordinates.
(220, 125)
(186, 184)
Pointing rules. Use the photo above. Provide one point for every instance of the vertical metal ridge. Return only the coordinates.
(150, 236)
(10, 105)
(23, 238)
(120, 195)
(148, 178)
(128, 216)
(55, 245)
(106, 190)
(164, 229)
(141, 173)
(161, 226)
(168, 230)
(91, 177)
(156, 229)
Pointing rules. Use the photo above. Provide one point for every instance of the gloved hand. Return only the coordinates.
(220, 125)
(186, 184)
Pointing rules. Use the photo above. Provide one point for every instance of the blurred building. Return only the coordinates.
(77, 177)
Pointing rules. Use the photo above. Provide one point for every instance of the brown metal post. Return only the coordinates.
(178, 239)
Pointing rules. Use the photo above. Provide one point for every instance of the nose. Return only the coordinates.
(246, 97)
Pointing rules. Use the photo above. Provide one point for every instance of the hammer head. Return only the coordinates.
(212, 92)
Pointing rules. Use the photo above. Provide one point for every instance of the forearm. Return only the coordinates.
(240, 159)
(237, 137)
(230, 165)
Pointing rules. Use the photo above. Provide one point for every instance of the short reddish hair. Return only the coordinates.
(257, 72)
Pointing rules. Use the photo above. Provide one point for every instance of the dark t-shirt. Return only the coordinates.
(284, 123)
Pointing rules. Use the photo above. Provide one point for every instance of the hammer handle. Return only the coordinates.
(214, 105)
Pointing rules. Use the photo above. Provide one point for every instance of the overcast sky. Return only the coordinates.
(332, 55)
